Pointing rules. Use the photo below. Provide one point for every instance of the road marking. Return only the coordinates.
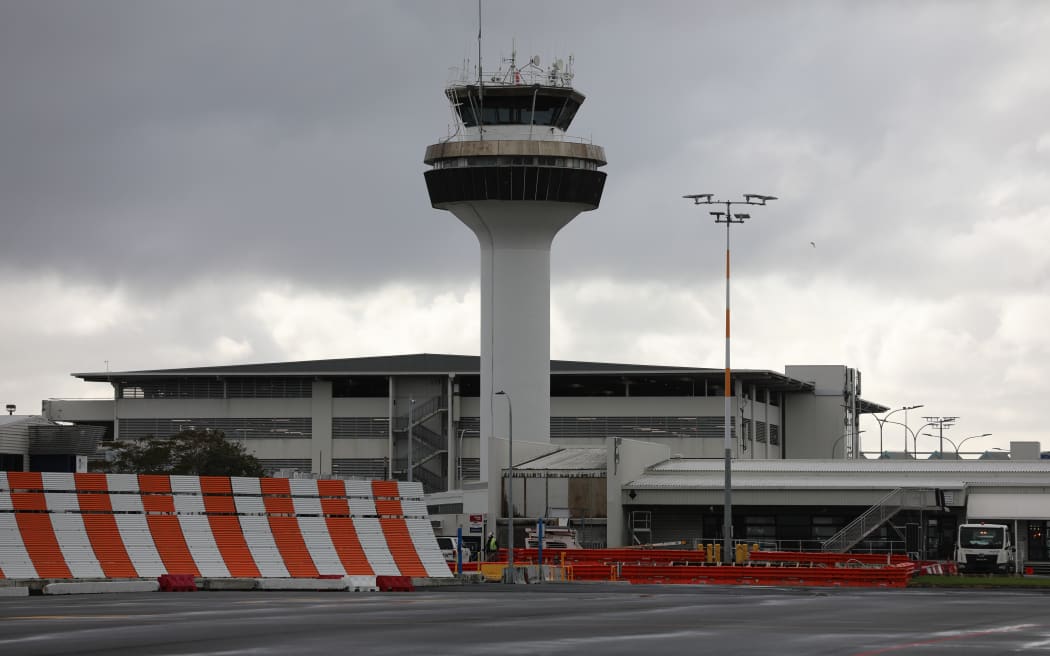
(946, 638)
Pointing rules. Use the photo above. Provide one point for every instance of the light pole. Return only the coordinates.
(961, 442)
(883, 421)
(941, 423)
(509, 575)
(836, 443)
(729, 219)
(914, 435)
(411, 406)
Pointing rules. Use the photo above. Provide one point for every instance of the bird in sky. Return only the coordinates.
(812, 244)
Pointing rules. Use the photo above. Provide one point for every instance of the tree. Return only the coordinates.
(189, 452)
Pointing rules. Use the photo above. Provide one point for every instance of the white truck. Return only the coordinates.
(447, 544)
(984, 548)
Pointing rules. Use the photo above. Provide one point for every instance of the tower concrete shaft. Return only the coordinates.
(514, 178)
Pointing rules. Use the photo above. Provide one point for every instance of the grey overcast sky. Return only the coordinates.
(229, 181)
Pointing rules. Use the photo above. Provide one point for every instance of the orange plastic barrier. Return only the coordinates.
(767, 568)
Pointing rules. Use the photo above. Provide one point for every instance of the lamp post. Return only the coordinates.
(914, 435)
(941, 423)
(411, 406)
(883, 421)
(836, 443)
(958, 446)
(509, 576)
(729, 218)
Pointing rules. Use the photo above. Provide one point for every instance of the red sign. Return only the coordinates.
(477, 519)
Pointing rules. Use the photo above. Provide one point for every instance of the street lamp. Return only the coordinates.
(729, 218)
(914, 435)
(883, 421)
(961, 442)
(509, 575)
(941, 423)
(836, 443)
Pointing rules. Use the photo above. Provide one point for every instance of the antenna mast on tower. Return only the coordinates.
(481, 83)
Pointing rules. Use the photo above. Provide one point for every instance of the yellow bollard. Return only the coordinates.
(741, 554)
(718, 553)
(710, 549)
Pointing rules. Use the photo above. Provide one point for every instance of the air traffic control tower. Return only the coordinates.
(513, 176)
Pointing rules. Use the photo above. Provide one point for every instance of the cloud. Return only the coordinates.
(196, 183)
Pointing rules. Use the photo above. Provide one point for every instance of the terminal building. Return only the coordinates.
(622, 453)
(634, 455)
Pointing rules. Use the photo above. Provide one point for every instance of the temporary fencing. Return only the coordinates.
(762, 568)
(89, 526)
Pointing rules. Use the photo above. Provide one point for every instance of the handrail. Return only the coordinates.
(875, 517)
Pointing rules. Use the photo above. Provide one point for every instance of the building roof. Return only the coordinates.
(709, 474)
(581, 459)
(418, 363)
(444, 364)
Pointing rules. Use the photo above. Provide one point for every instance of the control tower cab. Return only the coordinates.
(513, 176)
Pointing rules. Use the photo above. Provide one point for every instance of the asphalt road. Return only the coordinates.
(532, 620)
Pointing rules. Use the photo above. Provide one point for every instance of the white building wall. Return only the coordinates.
(626, 460)
(321, 427)
(816, 425)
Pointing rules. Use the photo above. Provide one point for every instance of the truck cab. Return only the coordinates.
(984, 548)
(449, 551)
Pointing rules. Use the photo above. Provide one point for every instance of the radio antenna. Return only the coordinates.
(481, 83)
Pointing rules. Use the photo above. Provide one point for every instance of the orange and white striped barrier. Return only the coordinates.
(74, 526)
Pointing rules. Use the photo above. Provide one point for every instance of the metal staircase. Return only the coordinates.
(427, 444)
(641, 527)
(903, 498)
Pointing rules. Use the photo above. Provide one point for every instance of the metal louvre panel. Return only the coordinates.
(344, 428)
(197, 531)
(470, 469)
(138, 542)
(3, 481)
(235, 429)
(602, 427)
(75, 546)
(14, 559)
(261, 544)
(5, 501)
(319, 544)
(373, 541)
(363, 468)
(274, 465)
(362, 507)
(427, 547)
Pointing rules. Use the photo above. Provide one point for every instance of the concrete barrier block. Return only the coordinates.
(100, 587)
(360, 583)
(229, 584)
(14, 591)
(301, 584)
